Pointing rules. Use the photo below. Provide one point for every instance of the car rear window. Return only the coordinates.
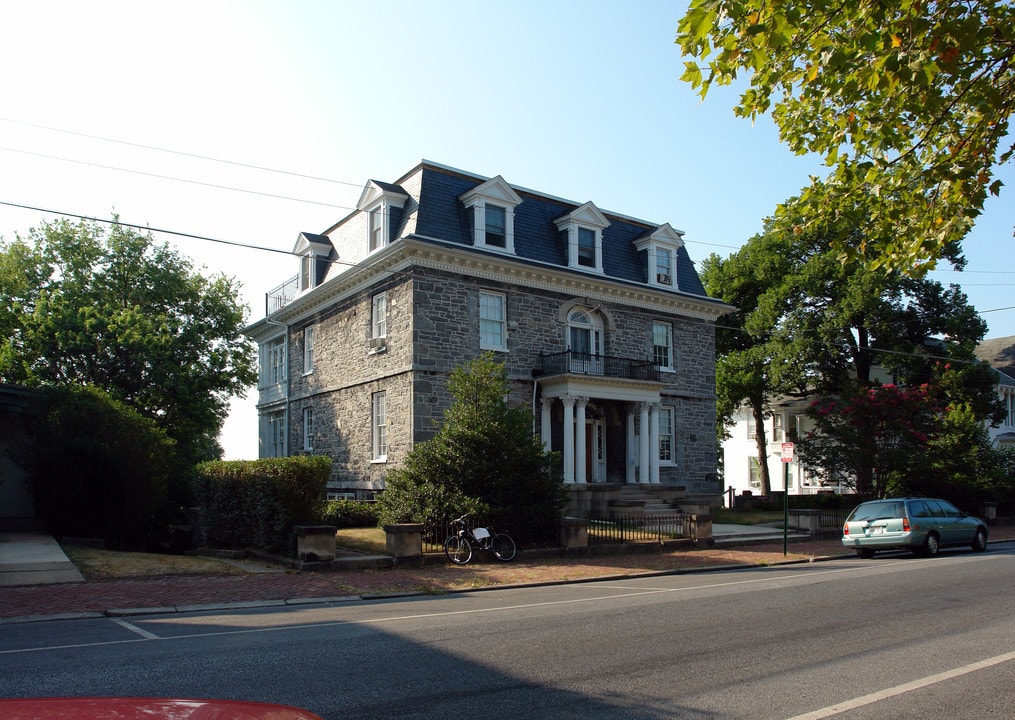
(878, 511)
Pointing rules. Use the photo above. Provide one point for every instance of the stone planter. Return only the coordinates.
(404, 540)
(315, 543)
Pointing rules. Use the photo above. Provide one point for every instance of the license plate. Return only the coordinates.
(876, 530)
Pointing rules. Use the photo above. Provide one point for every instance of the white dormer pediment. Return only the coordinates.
(375, 192)
(496, 191)
(311, 244)
(663, 235)
(588, 214)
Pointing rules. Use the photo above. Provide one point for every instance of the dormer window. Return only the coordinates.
(582, 231)
(382, 203)
(314, 252)
(493, 214)
(660, 251)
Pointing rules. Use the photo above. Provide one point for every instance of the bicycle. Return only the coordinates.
(458, 547)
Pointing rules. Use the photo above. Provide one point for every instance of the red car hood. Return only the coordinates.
(146, 709)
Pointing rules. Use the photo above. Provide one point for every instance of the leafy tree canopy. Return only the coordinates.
(908, 102)
(484, 459)
(115, 310)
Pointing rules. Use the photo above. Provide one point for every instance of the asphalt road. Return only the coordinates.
(895, 637)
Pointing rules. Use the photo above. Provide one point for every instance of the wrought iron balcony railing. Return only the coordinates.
(281, 296)
(578, 363)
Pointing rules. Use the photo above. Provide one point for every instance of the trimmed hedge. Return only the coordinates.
(349, 514)
(256, 503)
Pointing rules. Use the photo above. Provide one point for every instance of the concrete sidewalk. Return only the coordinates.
(34, 558)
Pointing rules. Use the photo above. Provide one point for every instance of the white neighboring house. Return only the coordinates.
(788, 421)
(999, 353)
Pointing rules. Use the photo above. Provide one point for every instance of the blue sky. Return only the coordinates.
(576, 99)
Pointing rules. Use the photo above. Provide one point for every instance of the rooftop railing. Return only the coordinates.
(279, 297)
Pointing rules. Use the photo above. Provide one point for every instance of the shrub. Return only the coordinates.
(256, 503)
(96, 467)
(349, 513)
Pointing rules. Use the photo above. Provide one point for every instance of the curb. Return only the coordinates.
(256, 604)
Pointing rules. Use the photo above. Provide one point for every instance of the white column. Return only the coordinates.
(630, 445)
(568, 438)
(580, 471)
(643, 445)
(545, 430)
(653, 443)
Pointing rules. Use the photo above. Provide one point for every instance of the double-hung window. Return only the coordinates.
(664, 266)
(496, 226)
(492, 321)
(276, 422)
(662, 345)
(377, 228)
(276, 362)
(308, 349)
(379, 321)
(308, 429)
(666, 434)
(587, 256)
(379, 424)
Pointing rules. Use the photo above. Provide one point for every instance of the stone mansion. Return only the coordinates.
(601, 320)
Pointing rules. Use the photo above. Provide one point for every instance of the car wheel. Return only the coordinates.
(865, 553)
(979, 540)
(930, 546)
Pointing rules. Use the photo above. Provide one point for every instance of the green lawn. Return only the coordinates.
(369, 540)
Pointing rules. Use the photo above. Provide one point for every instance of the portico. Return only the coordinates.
(586, 418)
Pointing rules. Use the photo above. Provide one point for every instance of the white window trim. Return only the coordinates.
(502, 301)
(308, 429)
(379, 329)
(276, 355)
(308, 350)
(277, 435)
(492, 192)
(668, 412)
(669, 340)
(379, 427)
(588, 217)
(663, 237)
(377, 202)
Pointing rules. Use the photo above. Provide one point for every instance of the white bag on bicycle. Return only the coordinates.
(481, 533)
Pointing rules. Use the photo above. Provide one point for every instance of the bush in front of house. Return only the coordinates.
(256, 503)
(349, 513)
(96, 467)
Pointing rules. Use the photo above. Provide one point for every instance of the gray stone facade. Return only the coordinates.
(432, 286)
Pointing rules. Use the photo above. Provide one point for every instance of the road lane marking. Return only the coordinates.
(135, 629)
(904, 688)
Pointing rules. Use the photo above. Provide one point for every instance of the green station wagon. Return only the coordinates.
(921, 525)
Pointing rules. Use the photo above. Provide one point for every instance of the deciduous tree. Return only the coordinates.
(908, 103)
(80, 305)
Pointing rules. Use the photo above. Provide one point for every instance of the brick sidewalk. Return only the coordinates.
(182, 592)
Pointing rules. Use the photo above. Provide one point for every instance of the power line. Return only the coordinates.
(181, 153)
(145, 227)
(176, 179)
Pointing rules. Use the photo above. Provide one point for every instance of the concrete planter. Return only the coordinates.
(404, 540)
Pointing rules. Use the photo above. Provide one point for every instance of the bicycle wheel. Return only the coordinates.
(458, 550)
(503, 547)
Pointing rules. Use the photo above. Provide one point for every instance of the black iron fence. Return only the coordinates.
(612, 529)
(637, 527)
(582, 363)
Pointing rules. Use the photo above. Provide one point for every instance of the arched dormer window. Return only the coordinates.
(660, 251)
(493, 214)
(382, 204)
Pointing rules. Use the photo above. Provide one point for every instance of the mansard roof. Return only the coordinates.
(438, 213)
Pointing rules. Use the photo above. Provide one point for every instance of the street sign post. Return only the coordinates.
(787, 458)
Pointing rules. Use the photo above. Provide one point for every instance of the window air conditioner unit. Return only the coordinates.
(378, 343)
(664, 279)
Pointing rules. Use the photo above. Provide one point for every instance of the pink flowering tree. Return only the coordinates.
(873, 438)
